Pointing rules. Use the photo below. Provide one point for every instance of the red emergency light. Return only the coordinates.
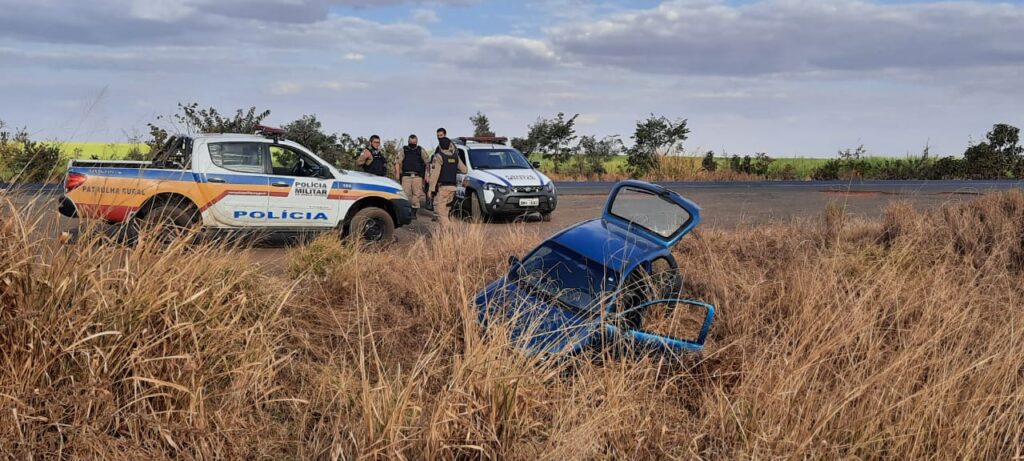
(270, 131)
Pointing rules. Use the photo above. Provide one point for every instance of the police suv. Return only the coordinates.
(501, 181)
(234, 182)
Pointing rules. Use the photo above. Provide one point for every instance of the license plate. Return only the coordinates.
(529, 202)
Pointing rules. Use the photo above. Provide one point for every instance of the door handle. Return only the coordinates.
(281, 184)
(216, 180)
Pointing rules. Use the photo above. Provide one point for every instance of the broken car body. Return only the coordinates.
(595, 283)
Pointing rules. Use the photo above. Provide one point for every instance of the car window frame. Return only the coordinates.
(325, 172)
(264, 152)
(664, 194)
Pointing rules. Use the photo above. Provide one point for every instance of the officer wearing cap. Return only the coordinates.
(411, 167)
(372, 158)
(444, 168)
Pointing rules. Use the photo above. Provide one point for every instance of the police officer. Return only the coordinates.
(411, 167)
(372, 158)
(444, 167)
(441, 134)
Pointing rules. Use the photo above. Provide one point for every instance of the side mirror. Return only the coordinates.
(535, 164)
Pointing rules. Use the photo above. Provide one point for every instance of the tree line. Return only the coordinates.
(554, 139)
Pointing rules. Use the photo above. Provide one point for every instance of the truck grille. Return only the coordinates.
(526, 189)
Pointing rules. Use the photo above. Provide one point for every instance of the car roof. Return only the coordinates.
(233, 136)
(485, 146)
(609, 244)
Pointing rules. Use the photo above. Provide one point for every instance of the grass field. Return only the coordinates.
(103, 151)
(898, 338)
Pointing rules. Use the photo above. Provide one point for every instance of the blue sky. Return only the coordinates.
(786, 77)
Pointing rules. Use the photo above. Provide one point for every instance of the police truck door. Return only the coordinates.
(233, 179)
(460, 188)
(299, 190)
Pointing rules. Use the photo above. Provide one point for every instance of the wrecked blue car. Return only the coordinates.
(598, 282)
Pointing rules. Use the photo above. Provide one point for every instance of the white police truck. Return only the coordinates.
(501, 181)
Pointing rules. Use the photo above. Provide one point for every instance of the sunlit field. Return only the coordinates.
(897, 338)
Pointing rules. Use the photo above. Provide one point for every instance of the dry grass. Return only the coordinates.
(900, 338)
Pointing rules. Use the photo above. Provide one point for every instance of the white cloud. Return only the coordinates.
(791, 36)
(340, 85)
(425, 16)
(285, 88)
(355, 56)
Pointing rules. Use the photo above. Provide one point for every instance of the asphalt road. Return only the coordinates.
(730, 204)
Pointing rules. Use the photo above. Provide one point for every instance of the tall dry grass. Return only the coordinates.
(897, 338)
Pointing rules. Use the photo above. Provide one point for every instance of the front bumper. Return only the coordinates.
(509, 203)
(66, 207)
(403, 211)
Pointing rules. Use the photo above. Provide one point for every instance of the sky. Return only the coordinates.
(785, 77)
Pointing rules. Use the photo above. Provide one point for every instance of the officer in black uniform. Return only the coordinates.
(411, 167)
(372, 158)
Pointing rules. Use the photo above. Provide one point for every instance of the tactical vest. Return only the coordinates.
(413, 161)
(449, 170)
(377, 165)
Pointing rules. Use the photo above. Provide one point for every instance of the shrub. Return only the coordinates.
(28, 161)
(829, 171)
(709, 164)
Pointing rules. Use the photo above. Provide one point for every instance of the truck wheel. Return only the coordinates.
(167, 222)
(476, 208)
(372, 224)
(546, 217)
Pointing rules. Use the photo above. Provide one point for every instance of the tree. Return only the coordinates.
(190, 119)
(309, 132)
(522, 145)
(552, 138)
(653, 138)
(995, 158)
(481, 125)
(1004, 141)
(592, 153)
(195, 120)
(709, 164)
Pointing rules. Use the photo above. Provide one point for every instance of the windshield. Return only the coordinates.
(559, 274)
(497, 159)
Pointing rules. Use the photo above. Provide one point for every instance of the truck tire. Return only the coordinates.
(546, 217)
(372, 224)
(476, 208)
(171, 220)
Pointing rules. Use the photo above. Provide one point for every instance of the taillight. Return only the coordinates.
(73, 181)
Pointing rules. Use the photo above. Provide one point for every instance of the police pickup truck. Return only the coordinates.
(234, 182)
(501, 181)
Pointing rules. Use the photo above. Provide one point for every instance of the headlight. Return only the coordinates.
(496, 187)
(550, 186)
